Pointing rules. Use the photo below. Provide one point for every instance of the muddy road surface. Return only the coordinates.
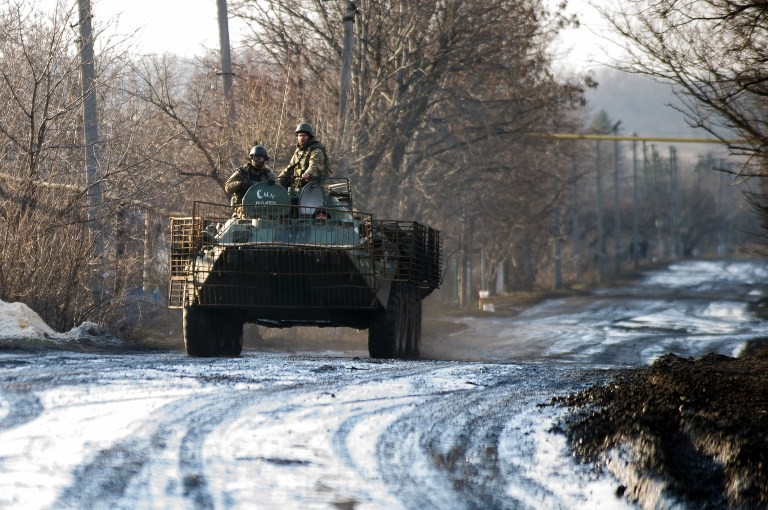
(282, 431)
(472, 427)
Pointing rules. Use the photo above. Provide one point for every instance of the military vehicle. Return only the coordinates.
(310, 259)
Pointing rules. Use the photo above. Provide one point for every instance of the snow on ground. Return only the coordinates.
(18, 322)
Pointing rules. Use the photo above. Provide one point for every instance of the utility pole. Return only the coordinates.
(467, 269)
(346, 74)
(558, 283)
(226, 61)
(635, 232)
(599, 208)
(657, 205)
(483, 283)
(616, 204)
(677, 248)
(719, 210)
(146, 273)
(575, 234)
(91, 140)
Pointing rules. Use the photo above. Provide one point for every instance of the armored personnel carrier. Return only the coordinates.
(308, 260)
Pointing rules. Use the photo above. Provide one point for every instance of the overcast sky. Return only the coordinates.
(591, 44)
(187, 27)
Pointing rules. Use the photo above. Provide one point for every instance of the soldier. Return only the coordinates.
(249, 174)
(309, 162)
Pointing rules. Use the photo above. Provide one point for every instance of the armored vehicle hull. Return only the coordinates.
(310, 261)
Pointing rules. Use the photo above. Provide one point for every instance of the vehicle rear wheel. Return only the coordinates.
(199, 331)
(383, 333)
(413, 345)
(395, 332)
(382, 342)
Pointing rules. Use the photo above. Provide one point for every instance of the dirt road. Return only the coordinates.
(284, 431)
(474, 427)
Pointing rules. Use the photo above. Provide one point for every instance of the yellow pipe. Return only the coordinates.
(571, 136)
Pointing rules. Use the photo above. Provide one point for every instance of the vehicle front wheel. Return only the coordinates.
(230, 334)
(199, 331)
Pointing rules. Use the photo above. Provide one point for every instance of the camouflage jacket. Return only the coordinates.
(245, 177)
(313, 157)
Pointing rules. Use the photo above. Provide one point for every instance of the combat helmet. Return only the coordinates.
(305, 127)
(259, 150)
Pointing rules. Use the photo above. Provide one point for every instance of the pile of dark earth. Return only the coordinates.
(690, 432)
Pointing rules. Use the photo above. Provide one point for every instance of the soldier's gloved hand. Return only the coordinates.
(306, 175)
(270, 182)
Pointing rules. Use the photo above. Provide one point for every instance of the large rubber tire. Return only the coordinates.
(199, 331)
(413, 346)
(395, 332)
(381, 337)
(211, 332)
(230, 338)
(383, 330)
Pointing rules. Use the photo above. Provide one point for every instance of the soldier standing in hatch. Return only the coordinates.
(249, 174)
(309, 161)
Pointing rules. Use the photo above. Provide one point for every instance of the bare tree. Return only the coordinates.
(445, 99)
(468, 68)
(48, 249)
(39, 84)
(714, 53)
(192, 138)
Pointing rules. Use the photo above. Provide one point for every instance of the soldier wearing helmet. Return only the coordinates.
(309, 161)
(249, 174)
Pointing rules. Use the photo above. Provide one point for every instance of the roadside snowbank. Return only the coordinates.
(19, 324)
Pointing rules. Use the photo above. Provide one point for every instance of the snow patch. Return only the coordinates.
(20, 322)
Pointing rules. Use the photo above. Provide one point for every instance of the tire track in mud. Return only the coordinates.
(103, 481)
(408, 466)
(455, 453)
(129, 470)
(198, 426)
(370, 420)
(301, 431)
(454, 441)
(134, 468)
(166, 462)
(23, 407)
(17, 392)
(296, 438)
